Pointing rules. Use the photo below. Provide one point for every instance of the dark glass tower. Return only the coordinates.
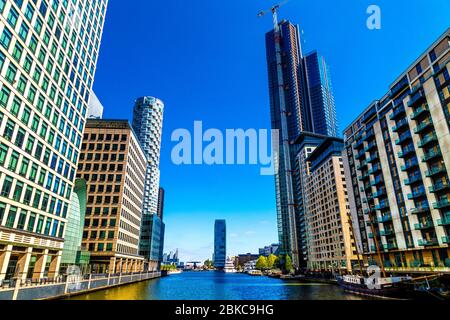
(220, 244)
(301, 100)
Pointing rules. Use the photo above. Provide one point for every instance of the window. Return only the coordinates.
(3, 153)
(5, 39)
(12, 17)
(7, 184)
(11, 217)
(4, 96)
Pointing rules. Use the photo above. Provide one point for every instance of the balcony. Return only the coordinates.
(376, 182)
(431, 155)
(359, 144)
(385, 218)
(403, 138)
(410, 165)
(418, 97)
(420, 209)
(440, 186)
(379, 193)
(445, 221)
(387, 233)
(399, 87)
(423, 125)
(428, 140)
(428, 242)
(435, 171)
(444, 203)
(412, 180)
(417, 194)
(375, 169)
(390, 246)
(405, 152)
(446, 240)
(401, 124)
(372, 158)
(370, 146)
(399, 111)
(368, 135)
(420, 111)
(362, 165)
(367, 211)
(424, 225)
(382, 206)
(365, 176)
(360, 154)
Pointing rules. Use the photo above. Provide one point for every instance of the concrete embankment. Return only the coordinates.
(72, 286)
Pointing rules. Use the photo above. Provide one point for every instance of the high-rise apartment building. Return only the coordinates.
(301, 100)
(48, 57)
(398, 160)
(220, 244)
(328, 234)
(147, 123)
(113, 164)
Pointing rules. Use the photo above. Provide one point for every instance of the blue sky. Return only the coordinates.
(206, 60)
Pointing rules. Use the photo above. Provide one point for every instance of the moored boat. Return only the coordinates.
(392, 287)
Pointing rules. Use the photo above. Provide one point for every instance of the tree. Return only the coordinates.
(208, 264)
(261, 263)
(288, 264)
(271, 261)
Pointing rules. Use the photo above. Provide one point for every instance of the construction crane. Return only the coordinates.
(274, 11)
(287, 172)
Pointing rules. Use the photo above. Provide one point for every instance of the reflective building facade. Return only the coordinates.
(220, 244)
(48, 56)
(301, 100)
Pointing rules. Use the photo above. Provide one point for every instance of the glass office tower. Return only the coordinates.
(220, 244)
(301, 100)
(48, 56)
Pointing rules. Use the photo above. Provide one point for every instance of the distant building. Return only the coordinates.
(220, 247)
(268, 250)
(242, 259)
(95, 108)
(171, 258)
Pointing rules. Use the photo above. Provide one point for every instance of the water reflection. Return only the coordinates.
(219, 286)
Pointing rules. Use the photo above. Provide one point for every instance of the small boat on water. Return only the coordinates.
(392, 287)
(172, 272)
(229, 266)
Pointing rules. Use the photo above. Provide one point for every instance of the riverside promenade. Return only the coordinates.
(66, 286)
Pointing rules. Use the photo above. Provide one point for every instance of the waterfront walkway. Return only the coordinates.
(65, 286)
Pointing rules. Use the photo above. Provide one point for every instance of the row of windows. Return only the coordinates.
(13, 217)
(26, 194)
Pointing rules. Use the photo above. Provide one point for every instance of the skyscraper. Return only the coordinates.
(321, 97)
(147, 123)
(48, 57)
(301, 100)
(220, 244)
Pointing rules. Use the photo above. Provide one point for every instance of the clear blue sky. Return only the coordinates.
(206, 60)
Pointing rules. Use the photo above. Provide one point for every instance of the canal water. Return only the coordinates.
(219, 286)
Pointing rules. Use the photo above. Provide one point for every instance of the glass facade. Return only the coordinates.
(147, 123)
(305, 104)
(75, 224)
(48, 56)
(220, 244)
